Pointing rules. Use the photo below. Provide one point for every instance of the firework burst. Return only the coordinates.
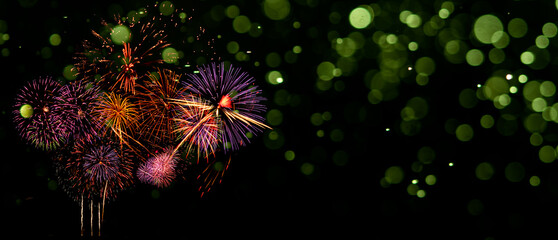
(76, 106)
(117, 114)
(159, 170)
(235, 100)
(36, 116)
(119, 60)
(157, 108)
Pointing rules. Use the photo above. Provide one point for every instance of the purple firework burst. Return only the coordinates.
(101, 163)
(236, 100)
(76, 104)
(36, 114)
(159, 170)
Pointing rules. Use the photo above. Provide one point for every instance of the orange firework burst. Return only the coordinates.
(157, 107)
(117, 114)
(118, 65)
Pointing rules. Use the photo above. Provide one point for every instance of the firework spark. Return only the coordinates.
(36, 116)
(212, 174)
(101, 163)
(236, 101)
(159, 170)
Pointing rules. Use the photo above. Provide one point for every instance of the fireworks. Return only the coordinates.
(36, 116)
(159, 170)
(131, 111)
(235, 100)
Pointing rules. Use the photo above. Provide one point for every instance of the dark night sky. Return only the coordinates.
(345, 190)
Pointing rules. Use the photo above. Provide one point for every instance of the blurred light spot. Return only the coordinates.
(527, 57)
(443, 13)
(274, 77)
(232, 11)
(468, 98)
(274, 117)
(26, 111)
(475, 207)
(242, 24)
(421, 193)
(450, 164)
(297, 49)
(535, 180)
(430, 179)
(52, 185)
(166, 8)
(394, 175)
(120, 34)
(69, 72)
(536, 139)
(413, 46)
(413, 21)
(547, 154)
(412, 189)
(320, 133)
(289, 155)
(276, 9)
(549, 30)
(509, 76)
(425, 65)
(233, 47)
(514, 172)
(464, 132)
(336, 135)
(340, 158)
(273, 59)
(325, 70)
(547, 88)
(474, 57)
(426, 155)
(361, 17)
(517, 27)
(307, 168)
(169, 55)
(484, 171)
(487, 121)
(538, 104)
(522, 78)
(496, 56)
(542, 41)
(55, 39)
(485, 27)
(316, 119)
(495, 86)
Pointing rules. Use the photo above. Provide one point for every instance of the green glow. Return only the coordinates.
(242, 24)
(170, 55)
(421, 193)
(340, 158)
(474, 57)
(413, 21)
(274, 117)
(527, 57)
(500, 39)
(443, 13)
(538, 104)
(26, 111)
(413, 46)
(276, 9)
(289, 155)
(361, 17)
(69, 72)
(233, 47)
(345, 47)
(514, 172)
(316, 119)
(55, 39)
(426, 155)
(517, 28)
(485, 27)
(547, 154)
(273, 59)
(536, 139)
(534, 123)
(412, 189)
(547, 88)
(297, 49)
(274, 77)
(487, 121)
(182, 15)
(535, 180)
(495, 86)
(336, 135)
(496, 55)
(307, 168)
(468, 98)
(232, 11)
(484, 171)
(430, 179)
(120, 34)
(325, 70)
(166, 8)
(531, 90)
(464, 132)
(394, 175)
(425, 65)
(549, 30)
(542, 41)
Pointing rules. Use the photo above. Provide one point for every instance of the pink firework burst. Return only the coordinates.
(159, 170)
